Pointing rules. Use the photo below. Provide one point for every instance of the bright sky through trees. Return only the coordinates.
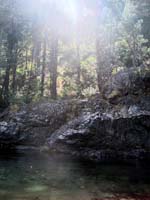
(68, 7)
(65, 47)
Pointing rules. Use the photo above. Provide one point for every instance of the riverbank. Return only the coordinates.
(90, 129)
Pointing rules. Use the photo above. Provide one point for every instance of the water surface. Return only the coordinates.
(38, 176)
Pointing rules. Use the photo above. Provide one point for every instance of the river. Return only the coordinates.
(31, 175)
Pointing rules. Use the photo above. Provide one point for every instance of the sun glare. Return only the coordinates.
(68, 7)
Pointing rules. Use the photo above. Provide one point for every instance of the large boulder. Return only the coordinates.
(105, 136)
(133, 81)
(32, 124)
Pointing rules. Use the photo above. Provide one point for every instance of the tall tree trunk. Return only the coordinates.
(38, 56)
(78, 81)
(9, 55)
(98, 58)
(5, 88)
(26, 72)
(14, 86)
(26, 64)
(103, 57)
(132, 51)
(53, 66)
(43, 68)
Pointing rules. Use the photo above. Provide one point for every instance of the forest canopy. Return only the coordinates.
(69, 48)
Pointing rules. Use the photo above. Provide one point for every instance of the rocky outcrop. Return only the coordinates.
(93, 129)
(9, 135)
(34, 123)
(133, 82)
(105, 136)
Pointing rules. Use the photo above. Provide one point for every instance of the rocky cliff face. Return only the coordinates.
(112, 132)
(105, 136)
(34, 123)
(117, 127)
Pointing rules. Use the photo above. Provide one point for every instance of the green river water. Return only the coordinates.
(38, 176)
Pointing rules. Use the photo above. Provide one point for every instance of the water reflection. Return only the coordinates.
(36, 176)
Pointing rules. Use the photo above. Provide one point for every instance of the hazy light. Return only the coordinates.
(68, 7)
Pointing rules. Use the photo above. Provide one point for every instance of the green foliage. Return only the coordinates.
(132, 45)
(29, 63)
